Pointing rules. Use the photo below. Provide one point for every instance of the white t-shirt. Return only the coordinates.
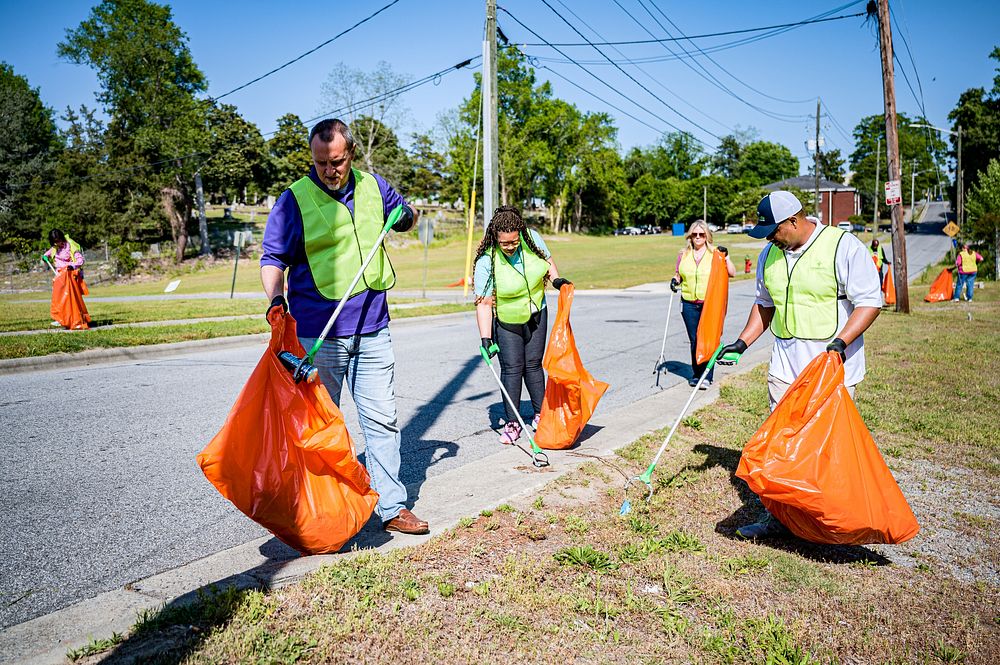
(857, 278)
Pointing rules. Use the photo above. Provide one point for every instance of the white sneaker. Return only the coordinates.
(55, 323)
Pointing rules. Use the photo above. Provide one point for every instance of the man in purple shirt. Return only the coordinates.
(317, 231)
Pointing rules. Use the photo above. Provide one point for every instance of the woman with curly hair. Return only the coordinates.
(513, 265)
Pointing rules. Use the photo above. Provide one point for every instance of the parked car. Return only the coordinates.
(714, 228)
(746, 228)
(858, 228)
(630, 231)
(734, 228)
(845, 226)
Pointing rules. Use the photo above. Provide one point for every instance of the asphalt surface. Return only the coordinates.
(100, 482)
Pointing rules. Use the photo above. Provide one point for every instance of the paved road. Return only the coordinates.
(100, 482)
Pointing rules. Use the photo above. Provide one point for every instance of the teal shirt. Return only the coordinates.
(483, 274)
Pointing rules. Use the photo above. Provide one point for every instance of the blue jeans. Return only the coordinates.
(969, 281)
(368, 363)
(691, 313)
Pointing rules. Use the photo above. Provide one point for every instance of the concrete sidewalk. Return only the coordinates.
(502, 477)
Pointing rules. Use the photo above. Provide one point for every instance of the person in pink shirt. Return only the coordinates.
(64, 252)
(967, 263)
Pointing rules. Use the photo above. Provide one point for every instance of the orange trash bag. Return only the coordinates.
(889, 288)
(942, 288)
(67, 307)
(571, 393)
(713, 312)
(816, 468)
(285, 458)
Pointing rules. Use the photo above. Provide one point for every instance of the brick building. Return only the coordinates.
(837, 201)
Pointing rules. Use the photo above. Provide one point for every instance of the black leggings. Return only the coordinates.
(522, 346)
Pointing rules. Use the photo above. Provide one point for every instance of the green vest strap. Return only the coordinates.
(517, 291)
(805, 302)
(337, 243)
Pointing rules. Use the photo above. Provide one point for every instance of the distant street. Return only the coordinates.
(100, 482)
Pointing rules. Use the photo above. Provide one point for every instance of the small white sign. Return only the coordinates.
(893, 193)
(172, 286)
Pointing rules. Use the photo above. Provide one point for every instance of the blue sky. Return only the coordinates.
(837, 61)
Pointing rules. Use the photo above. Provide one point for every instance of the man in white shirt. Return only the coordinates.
(818, 290)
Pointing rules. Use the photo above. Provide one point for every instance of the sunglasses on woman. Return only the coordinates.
(697, 235)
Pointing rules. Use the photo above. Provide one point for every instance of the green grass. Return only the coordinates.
(34, 316)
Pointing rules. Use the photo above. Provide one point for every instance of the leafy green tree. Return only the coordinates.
(157, 129)
(831, 165)
(428, 167)
(378, 151)
(238, 154)
(984, 212)
(289, 152)
(763, 162)
(28, 146)
(915, 143)
(742, 208)
(726, 159)
(978, 113)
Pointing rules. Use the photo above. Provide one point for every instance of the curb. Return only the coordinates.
(459, 492)
(141, 353)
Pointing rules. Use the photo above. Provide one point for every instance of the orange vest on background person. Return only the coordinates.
(969, 264)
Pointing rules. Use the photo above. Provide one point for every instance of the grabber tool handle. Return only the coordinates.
(538, 456)
(394, 216)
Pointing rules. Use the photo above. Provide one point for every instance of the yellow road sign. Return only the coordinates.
(951, 229)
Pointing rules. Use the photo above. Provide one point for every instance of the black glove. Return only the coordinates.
(71, 268)
(674, 284)
(839, 346)
(737, 347)
(405, 222)
(725, 252)
(559, 282)
(277, 301)
(487, 344)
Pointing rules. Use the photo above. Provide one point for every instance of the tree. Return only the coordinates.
(28, 146)
(238, 154)
(428, 167)
(726, 159)
(984, 211)
(915, 143)
(157, 128)
(378, 151)
(831, 165)
(763, 162)
(978, 113)
(289, 153)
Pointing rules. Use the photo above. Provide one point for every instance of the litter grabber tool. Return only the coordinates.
(46, 261)
(303, 368)
(646, 478)
(663, 346)
(538, 456)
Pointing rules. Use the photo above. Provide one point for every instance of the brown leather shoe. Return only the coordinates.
(407, 522)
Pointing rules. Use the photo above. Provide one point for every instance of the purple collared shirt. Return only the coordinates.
(284, 247)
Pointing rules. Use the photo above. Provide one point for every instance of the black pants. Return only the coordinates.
(691, 313)
(522, 347)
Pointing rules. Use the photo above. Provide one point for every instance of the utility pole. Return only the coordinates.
(892, 157)
(960, 182)
(489, 94)
(202, 221)
(913, 183)
(816, 166)
(704, 203)
(878, 178)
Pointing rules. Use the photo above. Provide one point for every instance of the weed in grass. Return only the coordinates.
(532, 531)
(485, 513)
(584, 556)
(680, 541)
(576, 525)
(947, 653)
(552, 518)
(773, 642)
(679, 479)
(598, 607)
(482, 589)
(692, 422)
(95, 646)
(268, 647)
(673, 622)
(538, 503)
(446, 589)
(631, 553)
(505, 508)
(748, 563)
(642, 526)
(210, 607)
(893, 451)
(466, 522)
(478, 551)
(411, 589)
(678, 587)
(491, 525)
(508, 621)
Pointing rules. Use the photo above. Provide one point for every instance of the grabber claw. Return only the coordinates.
(538, 457)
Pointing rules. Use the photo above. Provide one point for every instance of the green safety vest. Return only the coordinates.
(517, 291)
(694, 276)
(805, 302)
(337, 242)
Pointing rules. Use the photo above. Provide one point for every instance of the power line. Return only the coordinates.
(702, 36)
(633, 79)
(598, 78)
(310, 51)
(704, 73)
(648, 75)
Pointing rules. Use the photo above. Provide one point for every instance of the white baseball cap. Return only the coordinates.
(773, 209)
